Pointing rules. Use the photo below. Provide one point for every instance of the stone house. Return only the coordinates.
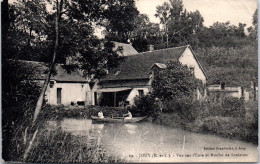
(134, 75)
(121, 85)
(65, 88)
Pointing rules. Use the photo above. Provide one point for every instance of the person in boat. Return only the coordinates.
(128, 115)
(100, 114)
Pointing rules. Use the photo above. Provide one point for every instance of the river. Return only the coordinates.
(148, 142)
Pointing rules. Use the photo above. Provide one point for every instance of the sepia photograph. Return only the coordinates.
(129, 81)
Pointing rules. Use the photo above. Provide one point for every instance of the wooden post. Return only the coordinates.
(114, 99)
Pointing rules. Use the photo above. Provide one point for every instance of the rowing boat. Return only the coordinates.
(116, 119)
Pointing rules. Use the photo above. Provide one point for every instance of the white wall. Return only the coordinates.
(71, 92)
(134, 92)
(187, 58)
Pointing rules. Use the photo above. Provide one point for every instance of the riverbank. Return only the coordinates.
(228, 127)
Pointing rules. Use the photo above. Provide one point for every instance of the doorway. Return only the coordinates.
(59, 95)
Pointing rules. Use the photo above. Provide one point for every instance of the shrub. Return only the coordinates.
(252, 114)
(58, 112)
(145, 105)
(233, 107)
(230, 127)
(185, 107)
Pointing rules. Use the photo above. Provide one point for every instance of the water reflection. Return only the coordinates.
(129, 141)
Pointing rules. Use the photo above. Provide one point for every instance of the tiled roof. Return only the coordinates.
(138, 66)
(128, 49)
(41, 71)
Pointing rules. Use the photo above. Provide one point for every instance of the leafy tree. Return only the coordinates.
(144, 33)
(179, 26)
(174, 82)
(223, 34)
(119, 22)
(253, 29)
(27, 28)
(164, 14)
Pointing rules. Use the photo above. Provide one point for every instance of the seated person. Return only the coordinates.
(100, 114)
(129, 115)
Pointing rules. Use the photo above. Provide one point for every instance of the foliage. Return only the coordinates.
(223, 34)
(145, 105)
(179, 26)
(230, 127)
(252, 113)
(176, 81)
(26, 30)
(20, 94)
(120, 16)
(31, 35)
(234, 66)
(233, 107)
(184, 107)
(253, 29)
(58, 146)
(229, 118)
(145, 33)
(60, 112)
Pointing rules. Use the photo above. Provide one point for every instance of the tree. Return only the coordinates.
(144, 33)
(223, 34)
(179, 26)
(27, 28)
(163, 12)
(253, 29)
(67, 31)
(174, 82)
(119, 19)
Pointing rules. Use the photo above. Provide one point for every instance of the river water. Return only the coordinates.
(148, 142)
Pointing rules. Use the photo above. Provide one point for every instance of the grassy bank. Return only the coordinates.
(229, 127)
(61, 147)
(220, 122)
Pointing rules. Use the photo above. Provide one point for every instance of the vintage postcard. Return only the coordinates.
(129, 81)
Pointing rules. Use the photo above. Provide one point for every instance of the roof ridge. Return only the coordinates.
(121, 42)
(160, 50)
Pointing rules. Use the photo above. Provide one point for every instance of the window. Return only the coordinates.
(222, 85)
(192, 70)
(51, 84)
(141, 92)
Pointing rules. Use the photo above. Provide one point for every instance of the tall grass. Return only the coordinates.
(57, 146)
(231, 117)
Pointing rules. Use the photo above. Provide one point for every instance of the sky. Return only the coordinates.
(235, 11)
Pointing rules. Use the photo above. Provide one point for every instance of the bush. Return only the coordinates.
(233, 107)
(186, 108)
(228, 107)
(60, 112)
(252, 114)
(229, 127)
(145, 105)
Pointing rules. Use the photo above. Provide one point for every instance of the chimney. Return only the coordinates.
(150, 47)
